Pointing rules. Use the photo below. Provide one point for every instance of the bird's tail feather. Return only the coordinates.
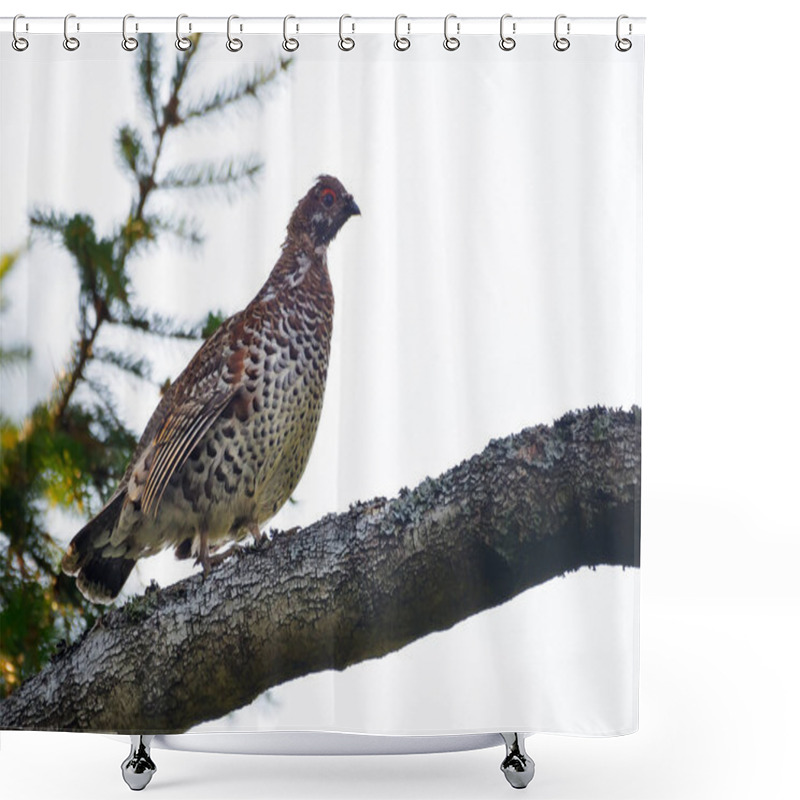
(99, 577)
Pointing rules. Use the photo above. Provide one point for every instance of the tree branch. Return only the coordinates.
(353, 586)
(83, 353)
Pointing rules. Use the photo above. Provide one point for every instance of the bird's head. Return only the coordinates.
(323, 211)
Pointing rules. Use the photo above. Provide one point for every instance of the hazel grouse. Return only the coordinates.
(231, 436)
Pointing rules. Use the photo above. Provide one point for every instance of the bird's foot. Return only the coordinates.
(258, 537)
(203, 556)
(218, 558)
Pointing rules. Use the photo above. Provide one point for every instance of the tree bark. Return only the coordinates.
(353, 586)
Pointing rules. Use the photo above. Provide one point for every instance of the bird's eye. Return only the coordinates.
(328, 197)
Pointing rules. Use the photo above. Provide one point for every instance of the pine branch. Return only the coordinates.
(184, 229)
(183, 60)
(139, 233)
(165, 119)
(106, 416)
(48, 222)
(229, 174)
(75, 372)
(102, 393)
(108, 428)
(132, 151)
(150, 74)
(230, 95)
(14, 356)
(139, 319)
(139, 367)
(101, 271)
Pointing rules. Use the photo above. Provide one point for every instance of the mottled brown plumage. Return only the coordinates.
(229, 440)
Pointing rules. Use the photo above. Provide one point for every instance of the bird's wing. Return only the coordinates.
(191, 406)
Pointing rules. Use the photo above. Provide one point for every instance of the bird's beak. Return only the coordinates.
(352, 207)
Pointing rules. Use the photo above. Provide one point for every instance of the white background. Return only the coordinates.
(719, 609)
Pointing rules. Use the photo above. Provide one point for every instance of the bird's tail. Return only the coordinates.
(99, 574)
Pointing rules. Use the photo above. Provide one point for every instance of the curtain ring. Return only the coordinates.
(623, 45)
(19, 43)
(451, 42)
(183, 43)
(129, 43)
(507, 42)
(346, 42)
(401, 42)
(289, 44)
(233, 44)
(561, 43)
(70, 42)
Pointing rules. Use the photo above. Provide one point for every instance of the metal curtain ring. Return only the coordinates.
(507, 42)
(623, 45)
(233, 44)
(183, 43)
(561, 43)
(346, 42)
(129, 43)
(289, 44)
(19, 43)
(71, 43)
(401, 42)
(451, 42)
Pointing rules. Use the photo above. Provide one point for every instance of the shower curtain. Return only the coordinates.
(422, 433)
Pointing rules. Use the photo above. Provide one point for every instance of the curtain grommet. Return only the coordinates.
(71, 43)
(346, 43)
(290, 44)
(561, 43)
(183, 43)
(19, 43)
(507, 43)
(129, 43)
(401, 43)
(233, 44)
(451, 43)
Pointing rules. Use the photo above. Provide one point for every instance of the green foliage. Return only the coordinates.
(14, 354)
(212, 322)
(72, 448)
(131, 150)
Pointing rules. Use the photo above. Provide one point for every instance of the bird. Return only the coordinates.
(230, 438)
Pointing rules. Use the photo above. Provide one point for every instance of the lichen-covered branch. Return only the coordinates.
(353, 586)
